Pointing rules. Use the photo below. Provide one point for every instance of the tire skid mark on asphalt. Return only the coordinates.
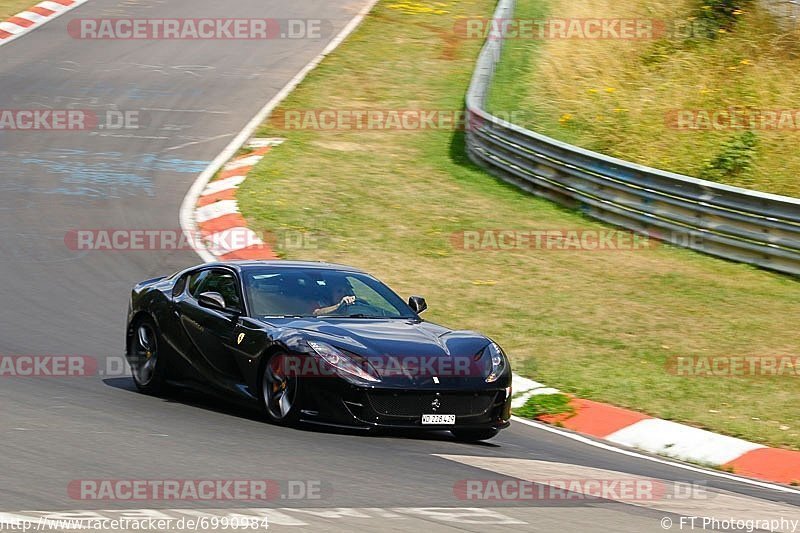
(90, 174)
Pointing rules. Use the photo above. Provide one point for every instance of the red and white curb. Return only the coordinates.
(222, 227)
(190, 201)
(670, 439)
(40, 14)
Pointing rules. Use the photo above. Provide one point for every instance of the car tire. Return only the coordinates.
(148, 357)
(280, 392)
(474, 435)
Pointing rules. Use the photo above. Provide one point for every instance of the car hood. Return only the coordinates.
(404, 352)
(395, 337)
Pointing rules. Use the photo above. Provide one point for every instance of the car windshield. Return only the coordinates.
(322, 293)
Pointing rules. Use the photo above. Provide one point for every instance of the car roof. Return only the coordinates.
(243, 265)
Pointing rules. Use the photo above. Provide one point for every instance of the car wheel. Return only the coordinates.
(280, 391)
(474, 435)
(148, 363)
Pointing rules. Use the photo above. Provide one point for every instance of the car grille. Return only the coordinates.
(415, 403)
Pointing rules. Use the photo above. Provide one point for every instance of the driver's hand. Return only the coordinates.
(347, 300)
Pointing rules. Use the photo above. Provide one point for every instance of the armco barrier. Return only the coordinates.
(738, 224)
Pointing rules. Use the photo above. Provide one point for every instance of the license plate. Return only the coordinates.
(439, 419)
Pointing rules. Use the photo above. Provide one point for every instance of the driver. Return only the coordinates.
(341, 294)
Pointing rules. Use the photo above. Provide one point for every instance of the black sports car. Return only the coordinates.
(315, 342)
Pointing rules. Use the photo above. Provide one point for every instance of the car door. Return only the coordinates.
(212, 332)
(172, 330)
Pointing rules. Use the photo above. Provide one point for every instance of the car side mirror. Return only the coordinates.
(212, 300)
(417, 303)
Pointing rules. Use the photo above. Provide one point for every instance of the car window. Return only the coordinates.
(223, 282)
(195, 280)
(300, 292)
(179, 286)
(368, 295)
(285, 293)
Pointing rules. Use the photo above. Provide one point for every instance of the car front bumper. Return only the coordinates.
(335, 402)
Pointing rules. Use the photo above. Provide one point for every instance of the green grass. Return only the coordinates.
(618, 96)
(600, 325)
(545, 404)
(9, 8)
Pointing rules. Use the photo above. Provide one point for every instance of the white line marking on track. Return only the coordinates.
(204, 111)
(184, 145)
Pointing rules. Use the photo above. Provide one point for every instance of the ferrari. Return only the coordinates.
(319, 343)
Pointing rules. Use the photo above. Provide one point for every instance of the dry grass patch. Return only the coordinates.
(9, 8)
(618, 96)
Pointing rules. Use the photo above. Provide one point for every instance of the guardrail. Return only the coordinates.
(787, 12)
(738, 224)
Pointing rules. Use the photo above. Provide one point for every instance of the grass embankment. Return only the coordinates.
(9, 8)
(597, 324)
(546, 404)
(620, 97)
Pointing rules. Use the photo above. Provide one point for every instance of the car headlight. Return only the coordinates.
(498, 362)
(342, 362)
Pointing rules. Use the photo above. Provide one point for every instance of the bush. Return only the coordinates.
(735, 158)
(719, 15)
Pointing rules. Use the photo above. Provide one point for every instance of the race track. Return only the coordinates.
(196, 96)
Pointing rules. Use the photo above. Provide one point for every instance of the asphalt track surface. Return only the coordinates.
(196, 96)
